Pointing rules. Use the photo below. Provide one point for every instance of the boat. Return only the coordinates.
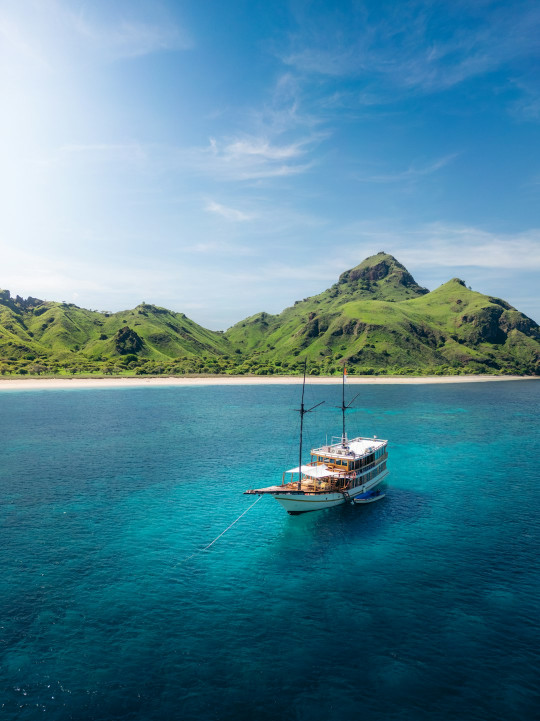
(338, 472)
(369, 496)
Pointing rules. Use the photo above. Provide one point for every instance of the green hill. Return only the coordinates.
(380, 277)
(64, 336)
(376, 319)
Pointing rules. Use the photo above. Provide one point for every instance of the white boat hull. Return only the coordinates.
(298, 502)
(372, 499)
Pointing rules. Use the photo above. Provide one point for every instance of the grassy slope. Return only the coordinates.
(374, 317)
(15, 341)
(451, 326)
(165, 334)
(60, 330)
(298, 327)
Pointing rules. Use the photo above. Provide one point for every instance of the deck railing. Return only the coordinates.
(362, 469)
(342, 474)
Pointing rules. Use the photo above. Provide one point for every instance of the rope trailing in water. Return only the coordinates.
(221, 534)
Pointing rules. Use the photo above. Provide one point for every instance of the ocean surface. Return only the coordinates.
(424, 605)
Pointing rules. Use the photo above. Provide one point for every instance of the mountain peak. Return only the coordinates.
(383, 275)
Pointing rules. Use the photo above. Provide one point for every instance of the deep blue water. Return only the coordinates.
(422, 606)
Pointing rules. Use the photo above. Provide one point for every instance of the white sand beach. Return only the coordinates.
(39, 384)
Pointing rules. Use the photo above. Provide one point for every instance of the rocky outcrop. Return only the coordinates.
(483, 326)
(514, 320)
(18, 303)
(493, 323)
(388, 268)
(126, 341)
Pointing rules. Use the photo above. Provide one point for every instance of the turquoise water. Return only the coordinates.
(421, 606)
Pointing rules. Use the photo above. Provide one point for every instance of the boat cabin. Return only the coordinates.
(339, 465)
(351, 455)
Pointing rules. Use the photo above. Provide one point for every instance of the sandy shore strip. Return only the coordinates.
(40, 384)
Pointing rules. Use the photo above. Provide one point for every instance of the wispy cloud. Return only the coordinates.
(107, 152)
(464, 246)
(131, 37)
(260, 148)
(97, 285)
(412, 173)
(228, 213)
(16, 45)
(445, 245)
(527, 106)
(398, 48)
(284, 109)
(244, 158)
(275, 138)
(222, 248)
(251, 157)
(58, 34)
(319, 272)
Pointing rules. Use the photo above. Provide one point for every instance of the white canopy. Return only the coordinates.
(321, 471)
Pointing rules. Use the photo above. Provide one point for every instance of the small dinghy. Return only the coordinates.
(369, 497)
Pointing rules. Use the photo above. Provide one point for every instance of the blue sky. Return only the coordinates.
(223, 158)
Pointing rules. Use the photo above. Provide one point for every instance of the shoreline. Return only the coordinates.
(39, 384)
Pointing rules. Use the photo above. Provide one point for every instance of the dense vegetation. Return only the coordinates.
(376, 319)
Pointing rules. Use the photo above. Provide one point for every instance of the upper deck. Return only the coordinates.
(351, 449)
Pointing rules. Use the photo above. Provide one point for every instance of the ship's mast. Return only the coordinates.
(302, 414)
(302, 410)
(344, 407)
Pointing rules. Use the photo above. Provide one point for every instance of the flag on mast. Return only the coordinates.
(344, 374)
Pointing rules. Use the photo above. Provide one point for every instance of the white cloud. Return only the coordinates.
(444, 245)
(53, 33)
(249, 158)
(277, 139)
(468, 246)
(16, 45)
(107, 153)
(227, 213)
(130, 37)
(206, 276)
(322, 272)
(221, 248)
(527, 106)
(119, 284)
(242, 159)
(412, 173)
(399, 49)
(262, 148)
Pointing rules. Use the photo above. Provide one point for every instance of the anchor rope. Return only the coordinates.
(221, 534)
